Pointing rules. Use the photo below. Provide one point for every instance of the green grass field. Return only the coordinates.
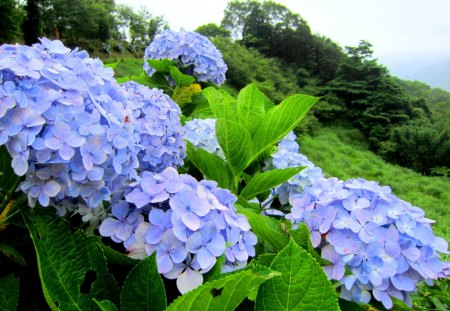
(341, 153)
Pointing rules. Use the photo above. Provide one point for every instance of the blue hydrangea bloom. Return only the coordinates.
(191, 51)
(385, 243)
(78, 136)
(189, 224)
(202, 134)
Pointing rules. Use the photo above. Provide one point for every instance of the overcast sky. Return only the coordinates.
(400, 30)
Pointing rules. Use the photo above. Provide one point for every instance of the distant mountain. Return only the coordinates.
(434, 71)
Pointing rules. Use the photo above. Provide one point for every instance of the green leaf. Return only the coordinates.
(72, 267)
(216, 270)
(268, 180)
(211, 165)
(12, 254)
(279, 121)
(157, 80)
(114, 257)
(8, 179)
(143, 288)
(267, 229)
(303, 285)
(302, 236)
(225, 293)
(250, 107)
(235, 142)
(9, 293)
(161, 65)
(220, 104)
(180, 78)
(105, 305)
(202, 109)
(264, 260)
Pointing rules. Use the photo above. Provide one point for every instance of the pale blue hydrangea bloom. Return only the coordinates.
(385, 243)
(202, 134)
(193, 53)
(77, 135)
(189, 224)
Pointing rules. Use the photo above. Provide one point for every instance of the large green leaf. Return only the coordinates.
(279, 121)
(161, 65)
(143, 289)
(211, 165)
(250, 107)
(235, 142)
(180, 78)
(225, 293)
(268, 180)
(9, 293)
(72, 267)
(303, 285)
(267, 229)
(220, 104)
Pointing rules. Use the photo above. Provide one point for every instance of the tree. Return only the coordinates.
(212, 30)
(372, 100)
(138, 28)
(32, 24)
(11, 16)
(75, 20)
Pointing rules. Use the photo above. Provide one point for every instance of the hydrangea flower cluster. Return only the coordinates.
(386, 243)
(193, 53)
(157, 127)
(73, 131)
(202, 134)
(188, 224)
(286, 156)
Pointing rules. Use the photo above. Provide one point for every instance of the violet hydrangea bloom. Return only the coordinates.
(189, 224)
(191, 51)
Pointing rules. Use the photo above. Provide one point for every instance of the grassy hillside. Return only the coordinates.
(341, 153)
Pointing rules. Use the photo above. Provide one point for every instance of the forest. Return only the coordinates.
(361, 123)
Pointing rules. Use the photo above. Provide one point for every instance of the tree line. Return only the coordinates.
(90, 24)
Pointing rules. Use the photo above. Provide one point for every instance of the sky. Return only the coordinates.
(407, 35)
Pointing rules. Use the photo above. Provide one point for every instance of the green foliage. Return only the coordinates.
(9, 293)
(268, 230)
(212, 30)
(371, 99)
(302, 285)
(224, 293)
(251, 107)
(267, 180)
(11, 16)
(72, 267)
(245, 66)
(231, 137)
(252, 126)
(211, 166)
(105, 305)
(143, 289)
(419, 145)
